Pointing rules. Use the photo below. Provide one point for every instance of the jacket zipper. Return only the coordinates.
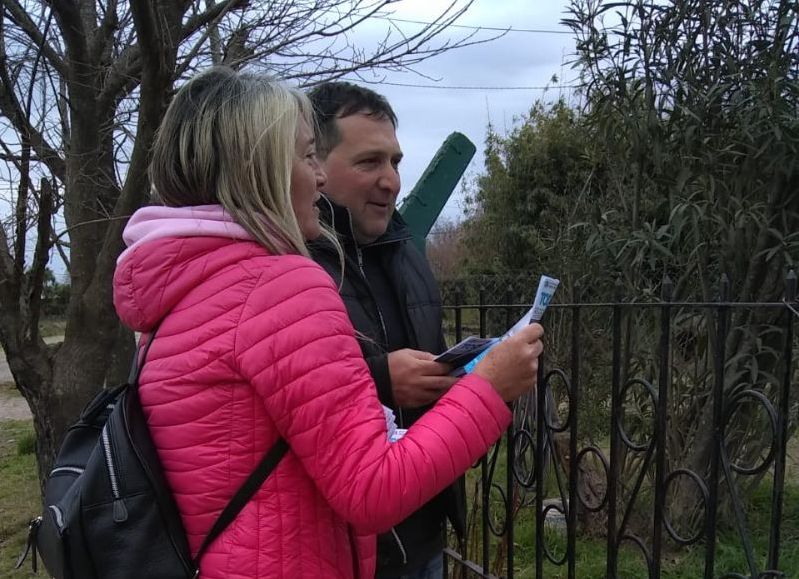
(359, 253)
(119, 508)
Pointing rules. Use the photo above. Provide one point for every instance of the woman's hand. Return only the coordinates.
(512, 365)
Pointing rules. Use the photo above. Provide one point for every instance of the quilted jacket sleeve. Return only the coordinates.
(296, 346)
(378, 368)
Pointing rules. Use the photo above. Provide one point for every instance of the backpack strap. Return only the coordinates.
(246, 490)
(243, 495)
(136, 366)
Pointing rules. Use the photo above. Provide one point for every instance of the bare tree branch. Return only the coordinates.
(72, 31)
(196, 22)
(21, 214)
(14, 112)
(40, 258)
(22, 19)
(80, 105)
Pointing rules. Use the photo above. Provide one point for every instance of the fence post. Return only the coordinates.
(615, 417)
(483, 311)
(782, 427)
(509, 307)
(540, 466)
(574, 403)
(510, 503)
(722, 325)
(661, 424)
(485, 485)
(458, 312)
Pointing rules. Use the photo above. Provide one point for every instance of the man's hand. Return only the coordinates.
(415, 379)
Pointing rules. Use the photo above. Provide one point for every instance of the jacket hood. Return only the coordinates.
(170, 250)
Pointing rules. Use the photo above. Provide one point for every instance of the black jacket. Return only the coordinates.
(420, 302)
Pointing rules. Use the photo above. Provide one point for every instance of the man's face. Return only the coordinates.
(362, 173)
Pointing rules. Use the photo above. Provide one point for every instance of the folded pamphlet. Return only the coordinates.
(465, 355)
(394, 433)
(465, 350)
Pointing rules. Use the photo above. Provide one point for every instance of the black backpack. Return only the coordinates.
(109, 513)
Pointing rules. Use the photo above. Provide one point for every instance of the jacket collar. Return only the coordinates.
(338, 218)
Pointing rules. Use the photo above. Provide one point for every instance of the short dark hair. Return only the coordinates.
(335, 100)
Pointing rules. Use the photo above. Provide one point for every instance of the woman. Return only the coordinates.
(255, 344)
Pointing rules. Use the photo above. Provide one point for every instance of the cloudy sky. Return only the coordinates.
(510, 71)
(520, 59)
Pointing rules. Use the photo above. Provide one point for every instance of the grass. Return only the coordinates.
(689, 562)
(19, 495)
(49, 327)
(677, 562)
(19, 502)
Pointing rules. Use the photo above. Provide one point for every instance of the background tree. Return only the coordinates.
(696, 107)
(538, 180)
(681, 160)
(83, 87)
(444, 249)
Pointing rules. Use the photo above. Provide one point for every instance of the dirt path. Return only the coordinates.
(12, 405)
(5, 373)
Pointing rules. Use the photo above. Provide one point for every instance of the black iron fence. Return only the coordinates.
(662, 449)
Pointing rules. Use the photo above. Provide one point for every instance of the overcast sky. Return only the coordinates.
(524, 57)
(518, 59)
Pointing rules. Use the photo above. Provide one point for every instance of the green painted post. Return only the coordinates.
(424, 203)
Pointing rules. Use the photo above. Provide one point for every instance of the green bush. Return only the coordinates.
(26, 444)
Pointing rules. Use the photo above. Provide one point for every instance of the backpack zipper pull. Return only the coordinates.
(30, 545)
(120, 511)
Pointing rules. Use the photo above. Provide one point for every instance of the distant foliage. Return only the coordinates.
(445, 250)
(694, 107)
(537, 181)
(55, 296)
(681, 161)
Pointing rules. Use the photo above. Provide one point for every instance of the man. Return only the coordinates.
(390, 294)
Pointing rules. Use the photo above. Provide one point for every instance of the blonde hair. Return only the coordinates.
(229, 138)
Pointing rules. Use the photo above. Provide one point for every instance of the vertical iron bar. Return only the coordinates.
(540, 445)
(615, 417)
(458, 299)
(483, 311)
(511, 499)
(485, 490)
(782, 429)
(510, 459)
(574, 404)
(484, 460)
(661, 425)
(508, 307)
(458, 314)
(458, 303)
(720, 359)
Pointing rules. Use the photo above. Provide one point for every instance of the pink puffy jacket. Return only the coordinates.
(254, 347)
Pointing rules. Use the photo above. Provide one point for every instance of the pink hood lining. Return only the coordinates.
(156, 222)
